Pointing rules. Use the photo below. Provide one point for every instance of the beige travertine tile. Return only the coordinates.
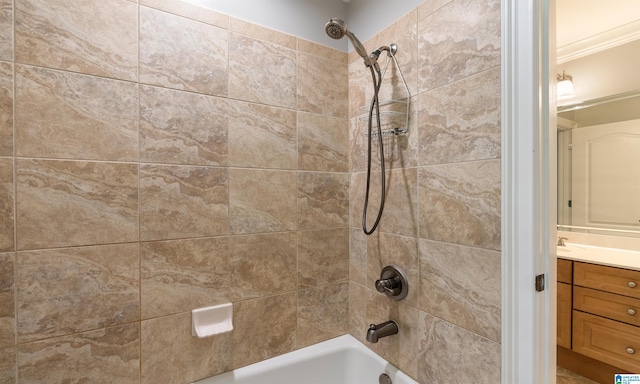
(103, 356)
(461, 121)
(458, 40)
(6, 30)
(6, 109)
(182, 128)
(360, 88)
(170, 354)
(262, 265)
(261, 136)
(358, 150)
(271, 80)
(263, 328)
(70, 203)
(323, 143)
(323, 257)
(462, 286)
(323, 200)
(72, 116)
(358, 296)
(400, 214)
(191, 11)
(8, 365)
(69, 290)
(358, 256)
(460, 203)
(262, 201)
(79, 35)
(323, 86)
(357, 192)
(7, 302)
(323, 313)
(262, 33)
(180, 53)
(409, 336)
(385, 249)
(7, 217)
(428, 7)
(181, 275)
(446, 349)
(313, 48)
(182, 201)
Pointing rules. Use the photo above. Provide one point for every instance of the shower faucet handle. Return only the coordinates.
(388, 285)
(393, 283)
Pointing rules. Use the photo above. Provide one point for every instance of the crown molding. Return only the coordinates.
(600, 42)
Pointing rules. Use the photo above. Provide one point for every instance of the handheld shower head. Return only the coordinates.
(337, 29)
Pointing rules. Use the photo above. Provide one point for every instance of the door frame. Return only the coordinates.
(528, 191)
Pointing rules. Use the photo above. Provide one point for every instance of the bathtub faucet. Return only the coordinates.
(385, 329)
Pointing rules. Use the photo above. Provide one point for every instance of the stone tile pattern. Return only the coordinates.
(148, 167)
(441, 222)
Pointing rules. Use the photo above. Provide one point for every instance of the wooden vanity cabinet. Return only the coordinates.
(604, 320)
(606, 303)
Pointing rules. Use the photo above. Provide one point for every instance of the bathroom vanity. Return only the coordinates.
(598, 323)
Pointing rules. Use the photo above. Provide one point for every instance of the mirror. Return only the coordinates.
(599, 126)
(599, 166)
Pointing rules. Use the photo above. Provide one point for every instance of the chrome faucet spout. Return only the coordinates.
(379, 331)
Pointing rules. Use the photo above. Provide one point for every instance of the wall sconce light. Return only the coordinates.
(565, 86)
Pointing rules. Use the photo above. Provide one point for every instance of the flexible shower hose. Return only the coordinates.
(374, 105)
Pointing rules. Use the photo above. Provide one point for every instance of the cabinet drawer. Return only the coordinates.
(609, 305)
(565, 271)
(606, 340)
(615, 280)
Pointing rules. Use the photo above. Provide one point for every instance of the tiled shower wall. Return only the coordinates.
(441, 222)
(157, 157)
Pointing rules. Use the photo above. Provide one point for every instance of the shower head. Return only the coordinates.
(337, 29)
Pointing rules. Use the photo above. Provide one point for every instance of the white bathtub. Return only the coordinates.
(343, 360)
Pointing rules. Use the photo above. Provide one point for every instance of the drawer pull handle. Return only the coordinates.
(630, 350)
(631, 311)
(631, 284)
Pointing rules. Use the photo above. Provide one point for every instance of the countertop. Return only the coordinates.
(613, 257)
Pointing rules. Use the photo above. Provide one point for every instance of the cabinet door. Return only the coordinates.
(606, 340)
(564, 315)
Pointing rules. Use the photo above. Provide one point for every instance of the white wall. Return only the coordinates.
(306, 18)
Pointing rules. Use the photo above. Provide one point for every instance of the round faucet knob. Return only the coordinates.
(393, 283)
